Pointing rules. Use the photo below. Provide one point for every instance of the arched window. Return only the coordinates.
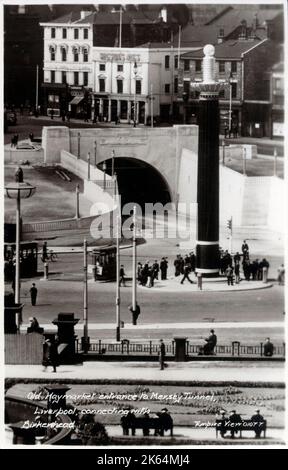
(85, 54)
(75, 51)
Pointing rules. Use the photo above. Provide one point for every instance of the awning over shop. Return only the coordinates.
(76, 100)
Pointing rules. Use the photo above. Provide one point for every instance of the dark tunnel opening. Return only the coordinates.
(139, 182)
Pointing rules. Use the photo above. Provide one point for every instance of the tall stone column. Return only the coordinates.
(207, 244)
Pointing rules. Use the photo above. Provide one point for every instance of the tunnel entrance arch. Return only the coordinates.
(138, 181)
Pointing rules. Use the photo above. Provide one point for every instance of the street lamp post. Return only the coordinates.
(78, 140)
(135, 69)
(113, 163)
(230, 103)
(275, 161)
(244, 161)
(185, 97)
(88, 163)
(151, 97)
(134, 282)
(95, 154)
(85, 342)
(104, 167)
(118, 277)
(18, 190)
(77, 215)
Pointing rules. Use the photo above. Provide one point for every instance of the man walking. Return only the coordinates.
(187, 270)
(122, 276)
(33, 294)
(162, 353)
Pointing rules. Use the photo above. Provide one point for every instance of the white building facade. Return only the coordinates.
(106, 83)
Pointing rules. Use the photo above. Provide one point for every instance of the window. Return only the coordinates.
(234, 90)
(52, 76)
(138, 87)
(64, 33)
(167, 61)
(221, 33)
(198, 65)
(53, 33)
(176, 62)
(85, 78)
(119, 86)
(222, 94)
(52, 54)
(186, 64)
(76, 56)
(167, 87)
(120, 68)
(186, 86)
(85, 33)
(64, 77)
(102, 84)
(76, 78)
(76, 33)
(85, 55)
(233, 67)
(64, 54)
(221, 66)
(278, 84)
(102, 67)
(176, 85)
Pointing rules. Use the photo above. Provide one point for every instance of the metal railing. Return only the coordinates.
(151, 348)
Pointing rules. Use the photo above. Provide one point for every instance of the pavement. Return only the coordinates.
(204, 372)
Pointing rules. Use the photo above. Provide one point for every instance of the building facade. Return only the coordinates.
(244, 65)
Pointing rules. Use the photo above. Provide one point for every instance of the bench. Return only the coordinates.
(146, 424)
(224, 425)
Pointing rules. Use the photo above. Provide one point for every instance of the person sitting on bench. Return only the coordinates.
(234, 418)
(257, 418)
(210, 345)
(165, 422)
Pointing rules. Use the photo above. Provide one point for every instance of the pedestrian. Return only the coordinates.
(31, 137)
(135, 313)
(50, 354)
(281, 275)
(237, 272)
(229, 274)
(150, 277)
(155, 269)
(44, 252)
(33, 294)
(162, 353)
(122, 276)
(211, 342)
(187, 270)
(265, 267)
(163, 269)
(234, 418)
(245, 248)
(199, 280)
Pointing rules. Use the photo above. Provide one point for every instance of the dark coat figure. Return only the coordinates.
(211, 342)
(165, 421)
(234, 418)
(44, 252)
(268, 348)
(155, 269)
(144, 274)
(33, 294)
(192, 261)
(128, 422)
(19, 175)
(34, 325)
(254, 269)
(150, 276)
(177, 266)
(237, 273)
(229, 274)
(135, 313)
(145, 424)
(187, 271)
(162, 353)
(257, 418)
(246, 269)
(122, 276)
(163, 269)
(245, 248)
(237, 258)
(50, 354)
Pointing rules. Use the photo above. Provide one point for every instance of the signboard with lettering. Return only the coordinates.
(119, 57)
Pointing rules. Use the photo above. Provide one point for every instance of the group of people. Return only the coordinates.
(148, 272)
(235, 418)
(185, 266)
(160, 422)
(230, 266)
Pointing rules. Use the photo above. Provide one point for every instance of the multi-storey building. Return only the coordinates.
(243, 65)
(277, 100)
(105, 82)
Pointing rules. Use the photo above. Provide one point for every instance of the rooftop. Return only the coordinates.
(231, 49)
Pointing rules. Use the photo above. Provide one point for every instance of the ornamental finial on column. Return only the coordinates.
(209, 64)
